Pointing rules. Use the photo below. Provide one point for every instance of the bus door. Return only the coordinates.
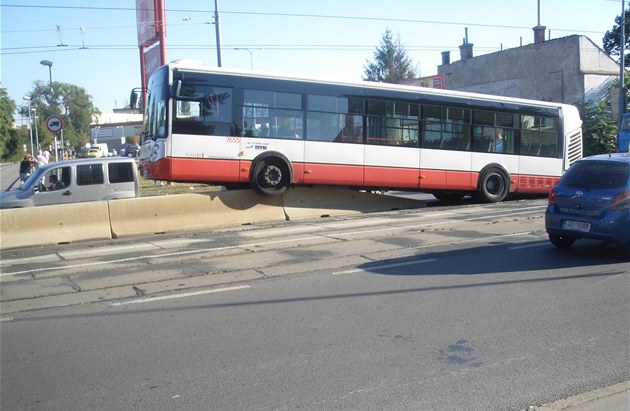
(333, 149)
(203, 135)
(333, 163)
(445, 158)
(393, 165)
(392, 156)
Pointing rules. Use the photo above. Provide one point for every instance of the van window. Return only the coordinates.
(62, 174)
(88, 174)
(120, 172)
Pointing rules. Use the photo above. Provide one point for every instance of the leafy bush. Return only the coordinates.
(598, 129)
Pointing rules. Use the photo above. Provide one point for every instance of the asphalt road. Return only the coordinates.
(442, 308)
(9, 172)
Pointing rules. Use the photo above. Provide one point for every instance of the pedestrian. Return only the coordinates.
(41, 159)
(27, 166)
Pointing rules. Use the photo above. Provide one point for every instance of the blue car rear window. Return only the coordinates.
(597, 175)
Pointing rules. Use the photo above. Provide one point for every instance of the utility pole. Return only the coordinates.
(622, 63)
(218, 31)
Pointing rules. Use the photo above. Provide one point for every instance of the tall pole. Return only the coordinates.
(251, 56)
(622, 69)
(49, 64)
(218, 31)
(34, 111)
(30, 122)
(52, 99)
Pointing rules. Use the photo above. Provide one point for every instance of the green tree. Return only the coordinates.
(598, 129)
(11, 139)
(391, 62)
(612, 39)
(71, 103)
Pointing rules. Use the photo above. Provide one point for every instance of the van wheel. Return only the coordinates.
(493, 186)
(270, 176)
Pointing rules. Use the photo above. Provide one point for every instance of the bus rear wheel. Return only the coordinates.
(271, 176)
(493, 186)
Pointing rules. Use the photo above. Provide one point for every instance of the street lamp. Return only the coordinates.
(251, 55)
(49, 64)
(30, 121)
(52, 99)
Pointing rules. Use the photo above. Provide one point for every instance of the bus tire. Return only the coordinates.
(494, 186)
(270, 176)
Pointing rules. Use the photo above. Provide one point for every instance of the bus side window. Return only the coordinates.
(539, 136)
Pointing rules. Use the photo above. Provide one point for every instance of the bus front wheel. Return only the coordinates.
(271, 176)
(493, 186)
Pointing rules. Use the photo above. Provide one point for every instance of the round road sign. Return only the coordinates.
(54, 124)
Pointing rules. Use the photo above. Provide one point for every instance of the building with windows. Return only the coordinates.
(570, 70)
(116, 129)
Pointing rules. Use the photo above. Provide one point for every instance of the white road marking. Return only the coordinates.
(149, 257)
(182, 295)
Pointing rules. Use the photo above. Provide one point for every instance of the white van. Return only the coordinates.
(89, 179)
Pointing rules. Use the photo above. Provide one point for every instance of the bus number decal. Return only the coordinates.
(233, 140)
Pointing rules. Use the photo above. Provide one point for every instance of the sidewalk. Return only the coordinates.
(613, 398)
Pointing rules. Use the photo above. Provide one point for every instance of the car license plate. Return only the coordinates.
(576, 225)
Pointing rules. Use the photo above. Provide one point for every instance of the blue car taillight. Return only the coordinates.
(621, 201)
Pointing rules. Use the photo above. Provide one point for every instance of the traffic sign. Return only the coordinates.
(54, 124)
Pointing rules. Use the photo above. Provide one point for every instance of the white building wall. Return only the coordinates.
(568, 70)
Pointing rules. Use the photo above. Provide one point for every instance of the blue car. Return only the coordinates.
(592, 200)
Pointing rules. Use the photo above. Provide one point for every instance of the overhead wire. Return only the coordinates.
(31, 49)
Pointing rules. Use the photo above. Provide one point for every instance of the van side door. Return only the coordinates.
(90, 183)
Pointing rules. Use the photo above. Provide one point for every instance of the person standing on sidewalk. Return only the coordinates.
(27, 166)
(41, 159)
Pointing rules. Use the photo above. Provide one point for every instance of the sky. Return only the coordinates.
(93, 43)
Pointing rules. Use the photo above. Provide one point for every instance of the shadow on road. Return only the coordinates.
(502, 258)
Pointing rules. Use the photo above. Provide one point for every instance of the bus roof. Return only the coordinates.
(195, 66)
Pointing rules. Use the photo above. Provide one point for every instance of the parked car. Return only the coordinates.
(82, 153)
(94, 153)
(112, 152)
(130, 150)
(592, 200)
(75, 181)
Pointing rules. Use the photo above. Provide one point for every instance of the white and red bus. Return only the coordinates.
(238, 128)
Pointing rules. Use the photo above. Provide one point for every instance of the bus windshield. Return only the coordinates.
(155, 116)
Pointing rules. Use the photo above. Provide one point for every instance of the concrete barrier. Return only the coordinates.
(305, 202)
(184, 212)
(50, 225)
(69, 223)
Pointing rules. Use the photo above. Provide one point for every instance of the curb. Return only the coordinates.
(613, 398)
